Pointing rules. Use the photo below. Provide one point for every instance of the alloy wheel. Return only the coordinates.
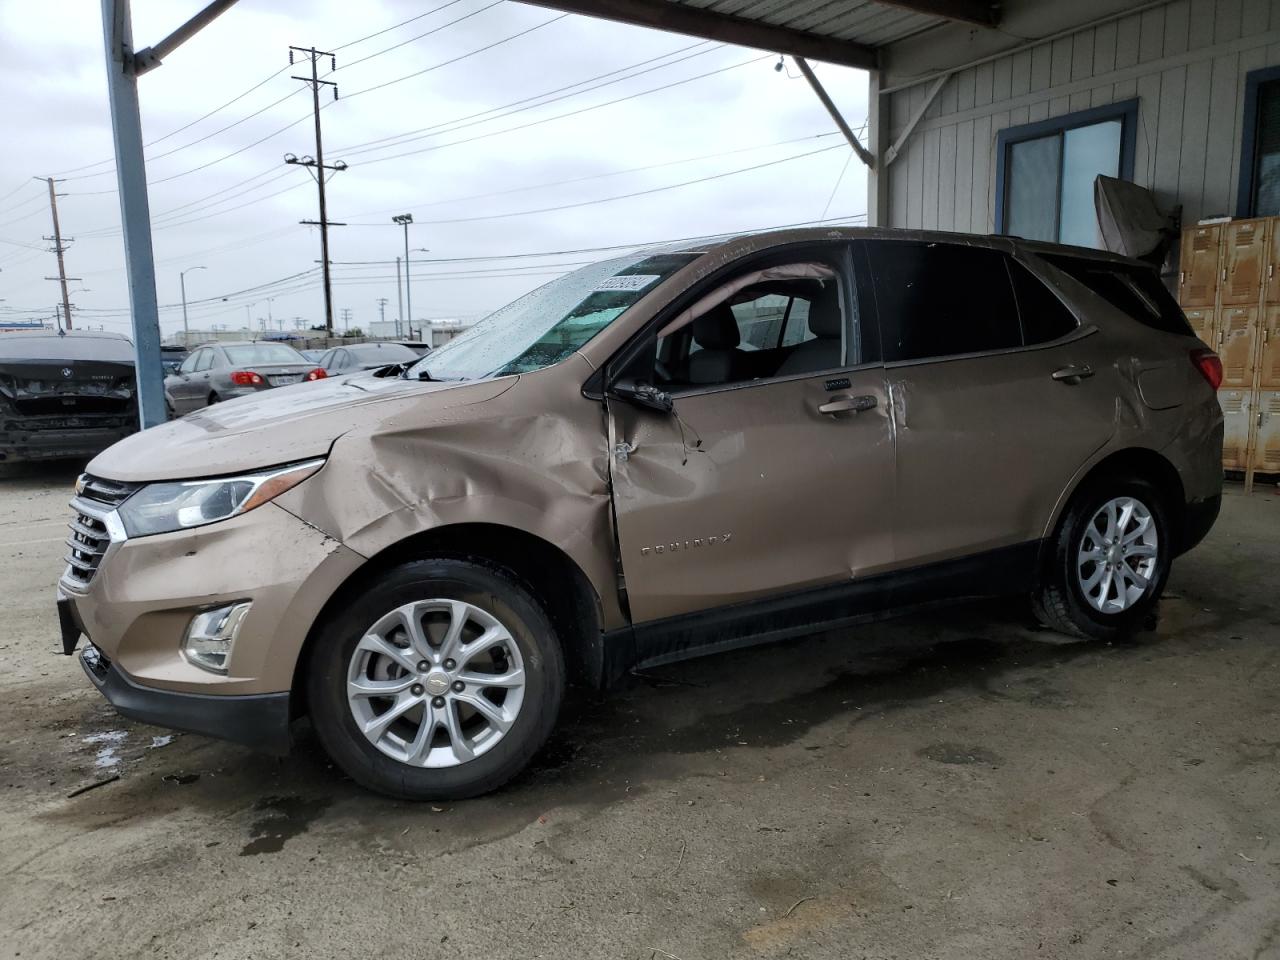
(436, 683)
(1117, 555)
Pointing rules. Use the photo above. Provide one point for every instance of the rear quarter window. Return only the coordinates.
(1134, 289)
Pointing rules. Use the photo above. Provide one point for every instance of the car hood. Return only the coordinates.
(278, 426)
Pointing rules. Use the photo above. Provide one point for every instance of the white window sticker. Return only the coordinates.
(631, 281)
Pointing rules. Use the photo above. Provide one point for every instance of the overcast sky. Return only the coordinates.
(442, 144)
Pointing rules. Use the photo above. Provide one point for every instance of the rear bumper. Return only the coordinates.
(58, 443)
(1197, 520)
(259, 720)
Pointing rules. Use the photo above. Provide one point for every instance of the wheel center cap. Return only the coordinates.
(436, 683)
(1115, 554)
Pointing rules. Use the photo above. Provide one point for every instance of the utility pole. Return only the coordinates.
(317, 167)
(346, 319)
(382, 309)
(399, 298)
(404, 219)
(59, 249)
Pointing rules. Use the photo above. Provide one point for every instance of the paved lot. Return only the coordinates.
(955, 785)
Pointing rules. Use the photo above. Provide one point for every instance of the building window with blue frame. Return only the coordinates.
(1259, 194)
(1045, 172)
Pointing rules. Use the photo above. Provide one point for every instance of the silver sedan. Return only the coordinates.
(220, 371)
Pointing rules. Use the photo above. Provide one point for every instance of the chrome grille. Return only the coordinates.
(90, 534)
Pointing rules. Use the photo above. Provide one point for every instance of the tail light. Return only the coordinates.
(316, 374)
(1210, 366)
(247, 378)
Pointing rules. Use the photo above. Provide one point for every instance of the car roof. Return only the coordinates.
(759, 240)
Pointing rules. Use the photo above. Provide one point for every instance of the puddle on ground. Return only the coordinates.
(108, 744)
(284, 819)
(959, 753)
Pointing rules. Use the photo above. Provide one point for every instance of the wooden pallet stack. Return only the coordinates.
(1229, 288)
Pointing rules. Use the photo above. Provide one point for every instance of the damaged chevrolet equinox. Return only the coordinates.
(676, 452)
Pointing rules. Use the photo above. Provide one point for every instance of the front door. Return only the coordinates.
(183, 386)
(774, 471)
(999, 397)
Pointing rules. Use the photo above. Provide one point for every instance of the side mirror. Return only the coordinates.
(642, 394)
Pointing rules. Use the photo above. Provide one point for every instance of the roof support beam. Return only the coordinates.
(983, 13)
(696, 22)
(863, 153)
(892, 153)
(145, 60)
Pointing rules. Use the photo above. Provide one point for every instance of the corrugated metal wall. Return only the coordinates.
(1186, 62)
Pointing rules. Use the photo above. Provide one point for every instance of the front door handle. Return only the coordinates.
(1073, 374)
(848, 405)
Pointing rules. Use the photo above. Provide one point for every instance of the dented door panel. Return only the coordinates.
(749, 491)
(985, 443)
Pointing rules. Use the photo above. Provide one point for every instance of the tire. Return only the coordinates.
(404, 762)
(1063, 603)
(213, 398)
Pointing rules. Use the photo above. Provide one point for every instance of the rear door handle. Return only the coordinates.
(848, 405)
(1073, 374)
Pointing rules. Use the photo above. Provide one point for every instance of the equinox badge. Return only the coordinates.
(679, 545)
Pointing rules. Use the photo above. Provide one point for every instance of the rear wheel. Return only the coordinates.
(1110, 560)
(213, 398)
(441, 681)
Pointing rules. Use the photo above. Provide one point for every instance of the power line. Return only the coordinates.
(459, 123)
(562, 116)
(304, 280)
(397, 26)
(625, 196)
(402, 43)
(601, 176)
(462, 56)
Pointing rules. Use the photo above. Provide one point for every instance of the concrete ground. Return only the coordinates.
(955, 785)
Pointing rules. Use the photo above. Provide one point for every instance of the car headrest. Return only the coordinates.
(717, 329)
(824, 315)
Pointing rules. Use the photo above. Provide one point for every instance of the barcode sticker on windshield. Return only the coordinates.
(631, 281)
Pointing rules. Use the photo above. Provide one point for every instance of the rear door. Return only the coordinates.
(999, 396)
(774, 472)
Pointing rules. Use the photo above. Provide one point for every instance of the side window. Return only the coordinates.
(760, 320)
(942, 299)
(767, 322)
(189, 364)
(1043, 316)
(797, 329)
(206, 360)
(1134, 289)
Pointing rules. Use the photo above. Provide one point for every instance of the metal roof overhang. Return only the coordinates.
(843, 32)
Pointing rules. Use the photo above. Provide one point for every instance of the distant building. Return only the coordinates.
(442, 331)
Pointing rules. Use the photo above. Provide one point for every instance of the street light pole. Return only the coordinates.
(404, 219)
(182, 282)
(421, 250)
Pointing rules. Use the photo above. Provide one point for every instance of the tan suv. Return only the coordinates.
(675, 452)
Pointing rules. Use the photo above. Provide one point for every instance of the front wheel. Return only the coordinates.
(438, 682)
(1110, 560)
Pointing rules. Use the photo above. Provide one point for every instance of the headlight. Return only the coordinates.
(162, 507)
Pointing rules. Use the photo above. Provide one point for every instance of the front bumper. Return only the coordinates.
(256, 720)
(139, 602)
